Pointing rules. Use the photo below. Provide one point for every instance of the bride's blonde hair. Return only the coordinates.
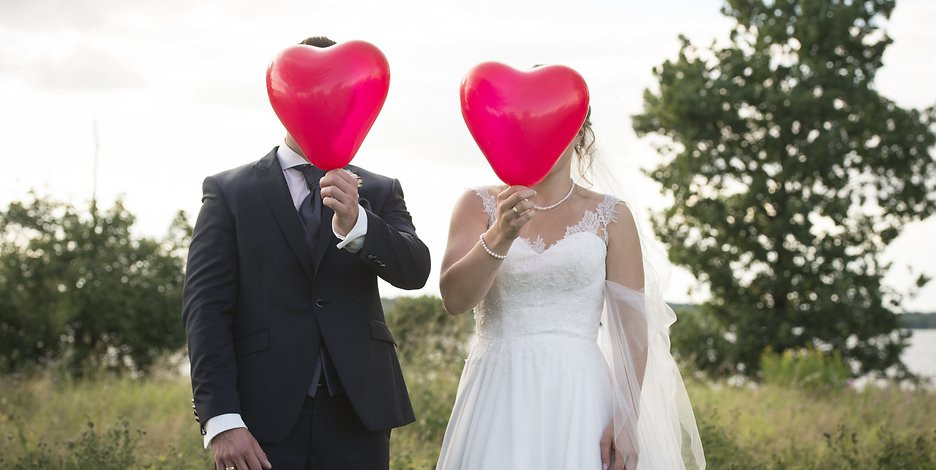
(585, 148)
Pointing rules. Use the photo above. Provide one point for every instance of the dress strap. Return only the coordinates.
(488, 202)
(605, 210)
(606, 214)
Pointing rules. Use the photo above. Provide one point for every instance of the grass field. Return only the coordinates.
(147, 423)
(42, 421)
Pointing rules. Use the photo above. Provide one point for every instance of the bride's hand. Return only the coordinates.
(514, 210)
(624, 459)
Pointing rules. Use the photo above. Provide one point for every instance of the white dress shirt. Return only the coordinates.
(353, 241)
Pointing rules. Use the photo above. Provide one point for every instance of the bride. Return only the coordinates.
(571, 367)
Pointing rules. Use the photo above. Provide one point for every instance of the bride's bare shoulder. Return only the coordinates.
(491, 190)
(620, 218)
(476, 201)
(481, 193)
(614, 209)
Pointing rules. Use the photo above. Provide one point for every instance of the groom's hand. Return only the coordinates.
(237, 448)
(340, 193)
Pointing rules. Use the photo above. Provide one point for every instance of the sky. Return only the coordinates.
(176, 90)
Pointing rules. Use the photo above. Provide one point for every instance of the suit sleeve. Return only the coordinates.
(391, 246)
(209, 301)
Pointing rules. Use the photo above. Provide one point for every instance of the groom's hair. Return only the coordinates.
(318, 41)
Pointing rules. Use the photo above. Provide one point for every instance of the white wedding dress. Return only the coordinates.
(537, 391)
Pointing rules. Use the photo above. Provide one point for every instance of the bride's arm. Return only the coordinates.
(467, 270)
(625, 267)
(624, 261)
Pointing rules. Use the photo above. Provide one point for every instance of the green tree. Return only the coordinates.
(790, 175)
(79, 288)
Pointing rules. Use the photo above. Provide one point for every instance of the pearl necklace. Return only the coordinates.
(553, 206)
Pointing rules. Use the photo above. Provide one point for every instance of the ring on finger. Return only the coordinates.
(517, 211)
(230, 467)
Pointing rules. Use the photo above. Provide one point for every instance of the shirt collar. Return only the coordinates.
(288, 158)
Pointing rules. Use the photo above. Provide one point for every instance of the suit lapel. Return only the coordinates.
(276, 193)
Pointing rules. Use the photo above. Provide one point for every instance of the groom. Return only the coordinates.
(292, 361)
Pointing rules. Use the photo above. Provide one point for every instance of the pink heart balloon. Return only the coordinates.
(523, 121)
(328, 98)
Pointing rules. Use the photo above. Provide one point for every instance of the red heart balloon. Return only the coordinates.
(328, 98)
(523, 121)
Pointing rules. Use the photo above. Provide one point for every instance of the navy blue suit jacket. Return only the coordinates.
(258, 302)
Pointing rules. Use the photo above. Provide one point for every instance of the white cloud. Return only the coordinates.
(83, 69)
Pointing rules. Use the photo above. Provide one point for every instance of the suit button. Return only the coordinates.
(321, 302)
(371, 257)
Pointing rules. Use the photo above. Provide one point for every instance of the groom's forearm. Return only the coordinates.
(354, 239)
(400, 258)
(391, 246)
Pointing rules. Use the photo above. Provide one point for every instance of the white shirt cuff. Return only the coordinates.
(354, 240)
(218, 424)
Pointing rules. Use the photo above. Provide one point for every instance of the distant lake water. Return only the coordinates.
(920, 356)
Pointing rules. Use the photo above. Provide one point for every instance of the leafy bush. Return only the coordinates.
(721, 447)
(116, 448)
(911, 449)
(432, 348)
(809, 369)
(79, 289)
(698, 341)
(112, 449)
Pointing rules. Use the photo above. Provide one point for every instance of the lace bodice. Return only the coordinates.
(557, 289)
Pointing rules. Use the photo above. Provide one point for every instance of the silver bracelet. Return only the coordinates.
(489, 251)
